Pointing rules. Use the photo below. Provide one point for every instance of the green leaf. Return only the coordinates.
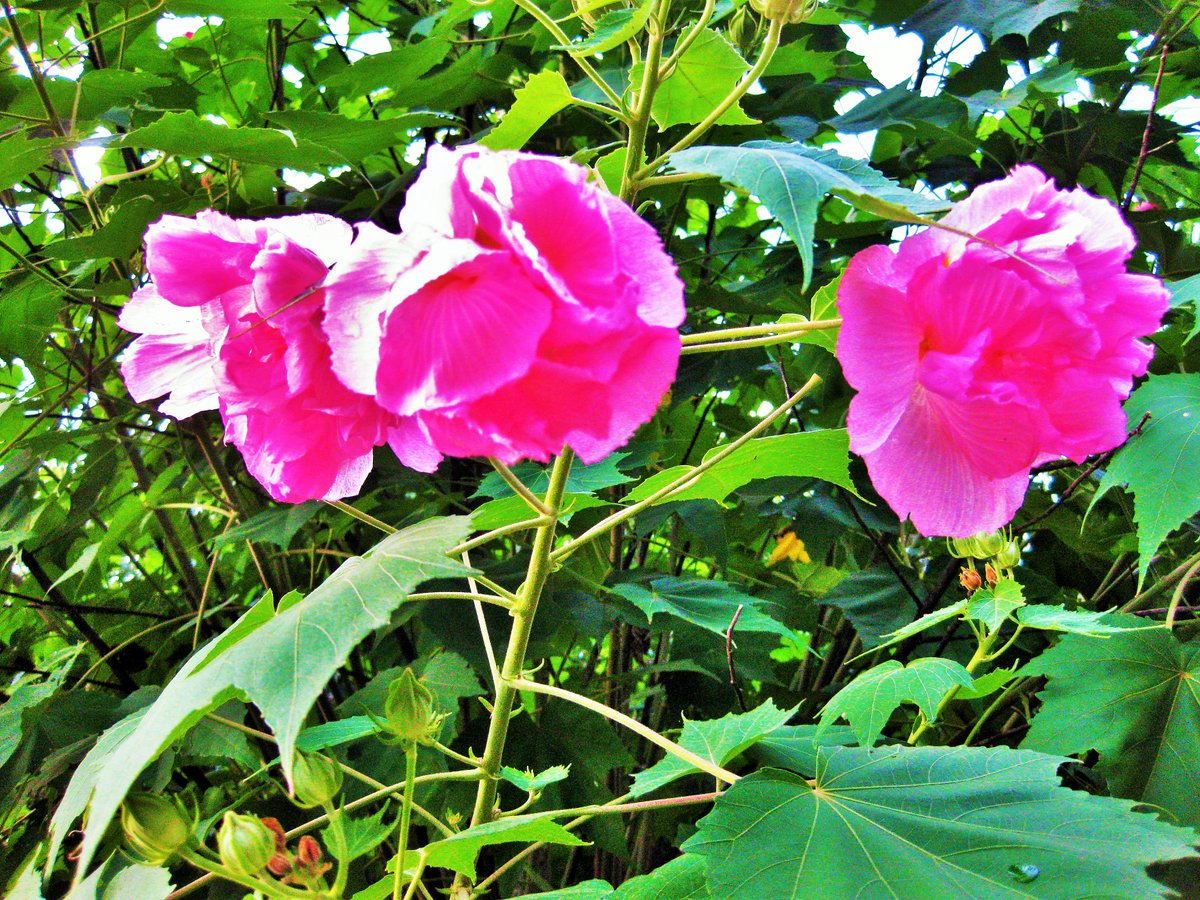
(1160, 464)
(703, 77)
(399, 69)
(119, 237)
(507, 510)
(717, 740)
(355, 139)
(592, 889)
(993, 19)
(874, 601)
(361, 835)
(612, 30)
(277, 525)
(1134, 700)
(987, 684)
(869, 700)
(1184, 291)
(581, 479)
(823, 306)
(680, 879)
(795, 747)
(529, 782)
(806, 454)
(937, 617)
(186, 134)
(22, 158)
(792, 180)
(936, 823)
(704, 603)
(543, 95)
(236, 9)
(993, 606)
(335, 733)
(1074, 621)
(458, 853)
(900, 106)
(139, 882)
(280, 659)
(28, 314)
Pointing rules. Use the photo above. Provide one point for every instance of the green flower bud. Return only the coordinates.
(155, 827)
(409, 711)
(790, 12)
(989, 544)
(316, 779)
(1009, 555)
(246, 845)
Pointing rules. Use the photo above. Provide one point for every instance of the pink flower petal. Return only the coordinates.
(191, 264)
(462, 336)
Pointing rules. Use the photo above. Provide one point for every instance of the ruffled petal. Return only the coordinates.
(191, 264)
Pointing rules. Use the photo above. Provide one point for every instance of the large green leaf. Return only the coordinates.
(1161, 463)
(459, 852)
(806, 454)
(792, 180)
(280, 659)
(717, 740)
(933, 823)
(186, 134)
(991, 18)
(705, 603)
(1134, 699)
(869, 700)
(993, 606)
(704, 75)
(874, 601)
(543, 95)
(355, 139)
(612, 29)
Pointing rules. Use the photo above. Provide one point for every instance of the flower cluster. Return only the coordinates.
(521, 309)
(1007, 337)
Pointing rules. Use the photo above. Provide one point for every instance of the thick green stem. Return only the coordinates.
(982, 655)
(268, 888)
(523, 613)
(639, 125)
(764, 59)
(410, 777)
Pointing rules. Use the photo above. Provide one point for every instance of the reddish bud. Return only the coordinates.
(970, 580)
(308, 851)
(991, 575)
(279, 865)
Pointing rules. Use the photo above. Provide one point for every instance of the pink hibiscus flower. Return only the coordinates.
(975, 360)
(233, 321)
(524, 309)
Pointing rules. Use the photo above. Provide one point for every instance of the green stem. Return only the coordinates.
(561, 36)
(460, 595)
(271, 889)
(410, 777)
(416, 879)
(337, 829)
(608, 809)
(510, 478)
(786, 337)
(489, 536)
(363, 517)
(692, 759)
(981, 656)
(606, 525)
(681, 45)
(639, 125)
(523, 613)
(1016, 686)
(771, 328)
(764, 59)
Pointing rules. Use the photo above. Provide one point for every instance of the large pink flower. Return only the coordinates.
(232, 321)
(523, 310)
(975, 359)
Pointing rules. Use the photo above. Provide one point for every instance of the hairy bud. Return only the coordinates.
(316, 779)
(245, 844)
(410, 714)
(790, 12)
(155, 827)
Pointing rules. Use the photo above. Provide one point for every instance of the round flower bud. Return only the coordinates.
(989, 544)
(246, 845)
(1009, 555)
(155, 827)
(409, 711)
(790, 12)
(316, 779)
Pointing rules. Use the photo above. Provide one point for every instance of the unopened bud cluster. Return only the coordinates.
(410, 716)
(790, 12)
